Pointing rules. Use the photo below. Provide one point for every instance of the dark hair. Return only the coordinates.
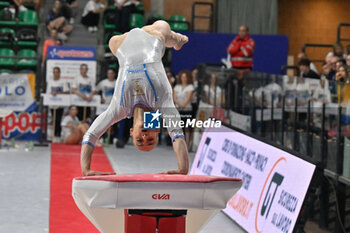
(111, 70)
(188, 74)
(84, 65)
(304, 62)
(57, 68)
(72, 106)
(343, 61)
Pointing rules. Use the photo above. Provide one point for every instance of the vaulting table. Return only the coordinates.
(152, 203)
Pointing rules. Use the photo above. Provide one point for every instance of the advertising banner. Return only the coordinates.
(69, 59)
(23, 125)
(274, 181)
(17, 91)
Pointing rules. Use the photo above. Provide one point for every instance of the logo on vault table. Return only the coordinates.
(151, 120)
(163, 196)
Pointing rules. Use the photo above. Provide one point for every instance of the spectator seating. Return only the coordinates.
(178, 23)
(107, 37)
(7, 37)
(7, 58)
(26, 37)
(136, 21)
(26, 58)
(4, 4)
(108, 21)
(6, 23)
(5, 71)
(28, 18)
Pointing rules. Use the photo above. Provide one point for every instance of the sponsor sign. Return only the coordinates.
(70, 99)
(17, 91)
(22, 125)
(274, 181)
(69, 59)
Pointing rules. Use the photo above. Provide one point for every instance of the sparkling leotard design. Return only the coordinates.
(141, 80)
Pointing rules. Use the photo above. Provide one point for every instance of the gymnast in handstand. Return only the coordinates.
(142, 85)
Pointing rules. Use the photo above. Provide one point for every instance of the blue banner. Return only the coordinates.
(71, 53)
(270, 54)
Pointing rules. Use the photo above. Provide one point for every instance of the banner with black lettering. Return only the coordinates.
(274, 181)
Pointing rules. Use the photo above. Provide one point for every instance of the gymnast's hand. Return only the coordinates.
(97, 173)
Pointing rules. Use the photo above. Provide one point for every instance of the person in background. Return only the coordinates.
(241, 49)
(182, 98)
(68, 6)
(72, 130)
(123, 10)
(106, 86)
(91, 14)
(55, 20)
(55, 87)
(213, 93)
(322, 93)
(171, 78)
(84, 87)
(348, 60)
(343, 85)
(338, 51)
(301, 56)
(305, 71)
(195, 92)
(49, 42)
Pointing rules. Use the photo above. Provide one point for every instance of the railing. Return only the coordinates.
(316, 131)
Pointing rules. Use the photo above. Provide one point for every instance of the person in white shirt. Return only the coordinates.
(84, 87)
(182, 98)
(106, 86)
(72, 130)
(213, 93)
(91, 14)
(322, 93)
(141, 86)
(54, 87)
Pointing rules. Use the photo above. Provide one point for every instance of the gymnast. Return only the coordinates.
(142, 85)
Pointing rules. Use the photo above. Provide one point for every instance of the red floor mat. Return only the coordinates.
(65, 217)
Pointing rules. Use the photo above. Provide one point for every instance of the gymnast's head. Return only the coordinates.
(144, 139)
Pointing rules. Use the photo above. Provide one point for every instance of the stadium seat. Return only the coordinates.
(4, 4)
(108, 25)
(5, 71)
(6, 23)
(175, 22)
(156, 16)
(28, 18)
(7, 36)
(29, 5)
(7, 57)
(27, 38)
(136, 21)
(108, 36)
(26, 58)
(140, 8)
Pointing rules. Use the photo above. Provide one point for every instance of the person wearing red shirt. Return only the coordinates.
(241, 50)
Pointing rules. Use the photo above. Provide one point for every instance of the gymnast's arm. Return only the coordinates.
(170, 113)
(112, 115)
(180, 149)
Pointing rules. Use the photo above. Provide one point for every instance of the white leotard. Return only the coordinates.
(141, 80)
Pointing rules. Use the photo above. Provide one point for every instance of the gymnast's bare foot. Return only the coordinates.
(182, 39)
